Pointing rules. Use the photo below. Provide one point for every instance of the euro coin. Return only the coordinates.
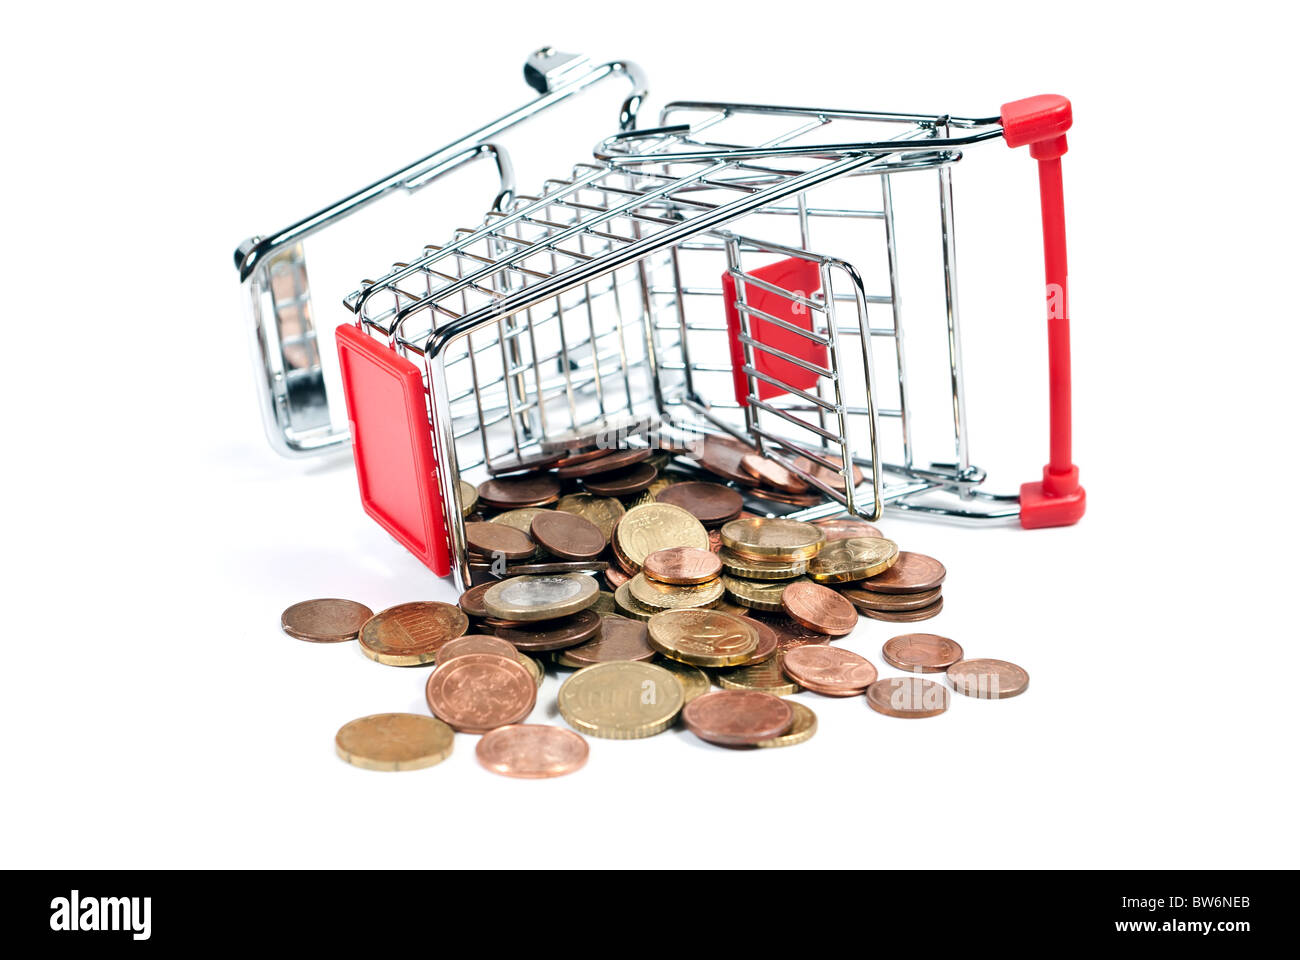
(767, 538)
(622, 700)
(704, 638)
(540, 597)
(410, 634)
(852, 558)
(394, 741)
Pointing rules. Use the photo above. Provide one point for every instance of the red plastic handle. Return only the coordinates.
(1041, 122)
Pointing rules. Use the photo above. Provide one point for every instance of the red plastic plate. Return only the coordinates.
(393, 446)
(798, 276)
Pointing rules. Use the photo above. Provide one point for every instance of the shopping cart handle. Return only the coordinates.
(1041, 122)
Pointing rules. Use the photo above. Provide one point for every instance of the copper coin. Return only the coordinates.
(710, 503)
(988, 679)
(581, 456)
(613, 460)
(926, 652)
(553, 634)
(325, 621)
(870, 600)
(789, 633)
(909, 697)
(619, 639)
(624, 483)
(471, 601)
(532, 751)
(529, 490)
(410, 634)
(819, 608)
(904, 616)
(723, 458)
(568, 535)
(498, 539)
(768, 641)
(737, 718)
(832, 478)
(794, 499)
(832, 671)
(616, 577)
(504, 466)
(481, 691)
(473, 643)
(772, 473)
(911, 573)
(845, 527)
(682, 565)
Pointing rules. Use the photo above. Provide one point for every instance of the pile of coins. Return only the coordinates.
(700, 593)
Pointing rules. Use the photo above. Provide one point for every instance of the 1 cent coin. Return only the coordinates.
(819, 608)
(478, 692)
(473, 643)
(624, 483)
(325, 621)
(682, 565)
(912, 573)
(738, 718)
(552, 634)
(528, 490)
(909, 697)
(619, 639)
(926, 652)
(904, 616)
(394, 741)
(723, 458)
(531, 751)
(988, 679)
(870, 600)
(410, 634)
(499, 539)
(832, 671)
(772, 473)
(610, 462)
(710, 503)
(471, 601)
(567, 535)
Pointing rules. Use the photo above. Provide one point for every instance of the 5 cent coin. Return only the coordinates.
(738, 718)
(926, 652)
(325, 621)
(988, 679)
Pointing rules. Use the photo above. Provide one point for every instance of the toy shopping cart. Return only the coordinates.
(734, 272)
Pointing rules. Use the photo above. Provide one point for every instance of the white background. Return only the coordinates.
(156, 716)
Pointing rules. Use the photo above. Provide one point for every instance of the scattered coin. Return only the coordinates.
(869, 600)
(498, 539)
(468, 498)
(531, 751)
(710, 503)
(772, 473)
(831, 671)
(908, 697)
(927, 652)
(325, 621)
(541, 636)
(604, 512)
(738, 718)
(471, 601)
(624, 483)
(852, 558)
(790, 634)
(913, 573)
(629, 605)
(694, 681)
(519, 464)
(571, 459)
(529, 490)
(744, 567)
(904, 616)
(478, 692)
(473, 643)
(540, 597)
(410, 634)
(667, 596)
(765, 677)
(621, 700)
(533, 666)
(394, 741)
(757, 594)
(567, 535)
(604, 433)
(611, 462)
(618, 639)
(988, 679)
(842, 527)
(521, 519)
(832, 478)
(615, 577)
(555, 566)
(604, 603)
(654, 526)
(802, 730)
(767, 538)
(682, 565)
(704, 638)
(819, 608)
(723, 458)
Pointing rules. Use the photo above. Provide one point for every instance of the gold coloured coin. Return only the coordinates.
(704, 638)
(852, 558)
(694, 681)
(667, 596)
(621, 700)
(739, 566)
(468, 498)
(520, 519)
(758, 594)
(655, 526)
(629, 605)
(768, 538)
(540, 597)
(604, 512)
(802, 730)
(604, 604)
(410, 634)
(533, 666)
(394, 741)
(765, 677)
